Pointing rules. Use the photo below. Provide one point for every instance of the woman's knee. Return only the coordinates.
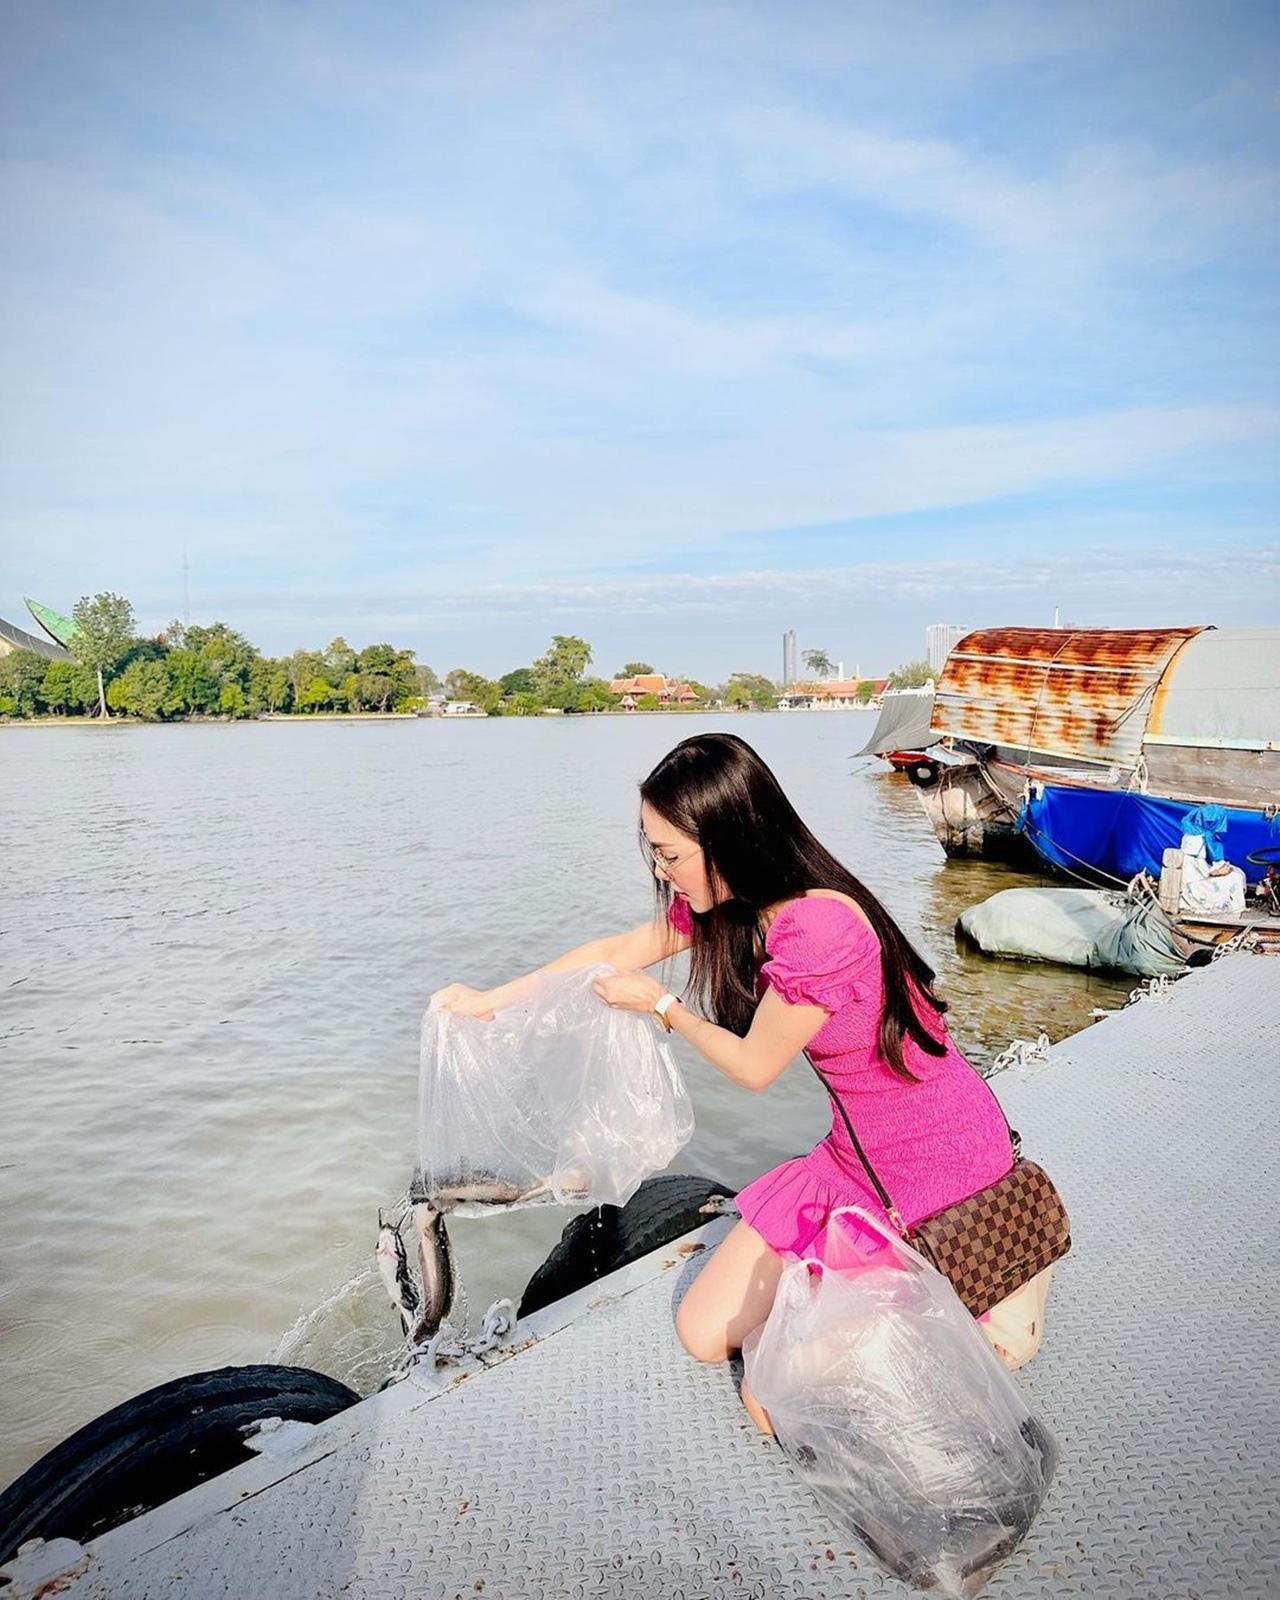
(701, 1338)
(731, 1295)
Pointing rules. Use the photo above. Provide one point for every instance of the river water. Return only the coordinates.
(217, 944)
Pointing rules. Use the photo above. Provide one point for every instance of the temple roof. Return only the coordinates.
(15, 638)
(62, 630)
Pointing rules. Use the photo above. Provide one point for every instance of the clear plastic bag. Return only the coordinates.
(559, 1100)
(897, 1412)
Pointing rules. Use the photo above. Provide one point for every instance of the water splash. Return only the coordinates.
(353, 1334)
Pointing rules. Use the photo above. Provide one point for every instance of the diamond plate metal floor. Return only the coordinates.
(599, 1461)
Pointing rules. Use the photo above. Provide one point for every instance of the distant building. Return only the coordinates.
(940, 639)
(790, 656)
(839, 695)
(14, 638)
(667, 691)
(61, 632)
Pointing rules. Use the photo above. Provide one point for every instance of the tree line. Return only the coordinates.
(202, 671)
(191, 670)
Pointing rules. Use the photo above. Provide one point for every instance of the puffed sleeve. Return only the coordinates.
(820, 953)
(679, 916)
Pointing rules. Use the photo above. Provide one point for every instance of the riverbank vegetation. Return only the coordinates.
(191, 670)
(912, 675)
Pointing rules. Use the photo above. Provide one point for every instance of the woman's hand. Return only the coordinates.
(629, 991)
(463, 1001)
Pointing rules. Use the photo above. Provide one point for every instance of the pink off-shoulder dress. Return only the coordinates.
(932, 1142)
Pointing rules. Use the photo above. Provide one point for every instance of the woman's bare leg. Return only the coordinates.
(731, 1295)
(755, 1410)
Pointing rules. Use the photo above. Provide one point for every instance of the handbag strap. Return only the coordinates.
(894, 1215)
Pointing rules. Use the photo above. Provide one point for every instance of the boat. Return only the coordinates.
(1096, 750)
(904, 760)
(902, 732)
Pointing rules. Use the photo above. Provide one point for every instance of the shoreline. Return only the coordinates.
(124, 721)
(120, 720)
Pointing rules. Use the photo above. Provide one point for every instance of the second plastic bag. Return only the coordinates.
(901, 1418)
(558, 1100)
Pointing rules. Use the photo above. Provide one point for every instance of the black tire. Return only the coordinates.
(155, 1447)
(924, 774)
(599, 1242)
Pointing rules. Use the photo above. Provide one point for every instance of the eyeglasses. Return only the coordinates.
(659, 863)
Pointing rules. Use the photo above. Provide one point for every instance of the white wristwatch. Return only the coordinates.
(662, 1007)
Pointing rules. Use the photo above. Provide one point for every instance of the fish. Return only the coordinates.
(485, 1190)
(393, 1268)
(435, 1266)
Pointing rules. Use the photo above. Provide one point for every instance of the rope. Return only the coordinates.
(1029, 827)
(1005, 803)
(1044, 684)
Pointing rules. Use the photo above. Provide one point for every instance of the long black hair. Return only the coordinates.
(715, 788)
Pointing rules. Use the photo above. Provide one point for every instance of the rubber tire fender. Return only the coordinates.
(599, 1242)
(924, 774)
(155, 1447)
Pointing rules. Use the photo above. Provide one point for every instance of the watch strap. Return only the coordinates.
(661, 1007)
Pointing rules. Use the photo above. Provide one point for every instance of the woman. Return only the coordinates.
(790, 953)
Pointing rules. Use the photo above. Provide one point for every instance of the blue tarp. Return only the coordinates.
(1210, 822)
(1122, 833)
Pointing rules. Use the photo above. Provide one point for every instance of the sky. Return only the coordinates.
(670, 325)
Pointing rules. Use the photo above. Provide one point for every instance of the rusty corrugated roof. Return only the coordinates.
(1082, 693)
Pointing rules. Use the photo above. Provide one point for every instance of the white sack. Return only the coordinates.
(1206, 885)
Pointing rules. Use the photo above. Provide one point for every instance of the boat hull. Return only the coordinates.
(1118, 833)
(973, 809)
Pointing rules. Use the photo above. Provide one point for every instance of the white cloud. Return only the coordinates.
(1093, 576)
(1100, 207)
(576, 286)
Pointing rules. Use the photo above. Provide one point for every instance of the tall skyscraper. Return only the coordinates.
(940, 638)
(790, 658)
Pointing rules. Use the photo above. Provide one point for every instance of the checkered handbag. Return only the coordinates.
(998, 1239)
(993, 1242)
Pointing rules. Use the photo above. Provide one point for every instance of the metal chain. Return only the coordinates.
(1157, 991)
(1246, 942)
(498, 1323)
(1023, 1053)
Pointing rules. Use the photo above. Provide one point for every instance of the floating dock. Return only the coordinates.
(591, 1457)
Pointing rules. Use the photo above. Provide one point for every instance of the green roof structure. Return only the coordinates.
(62, 630)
